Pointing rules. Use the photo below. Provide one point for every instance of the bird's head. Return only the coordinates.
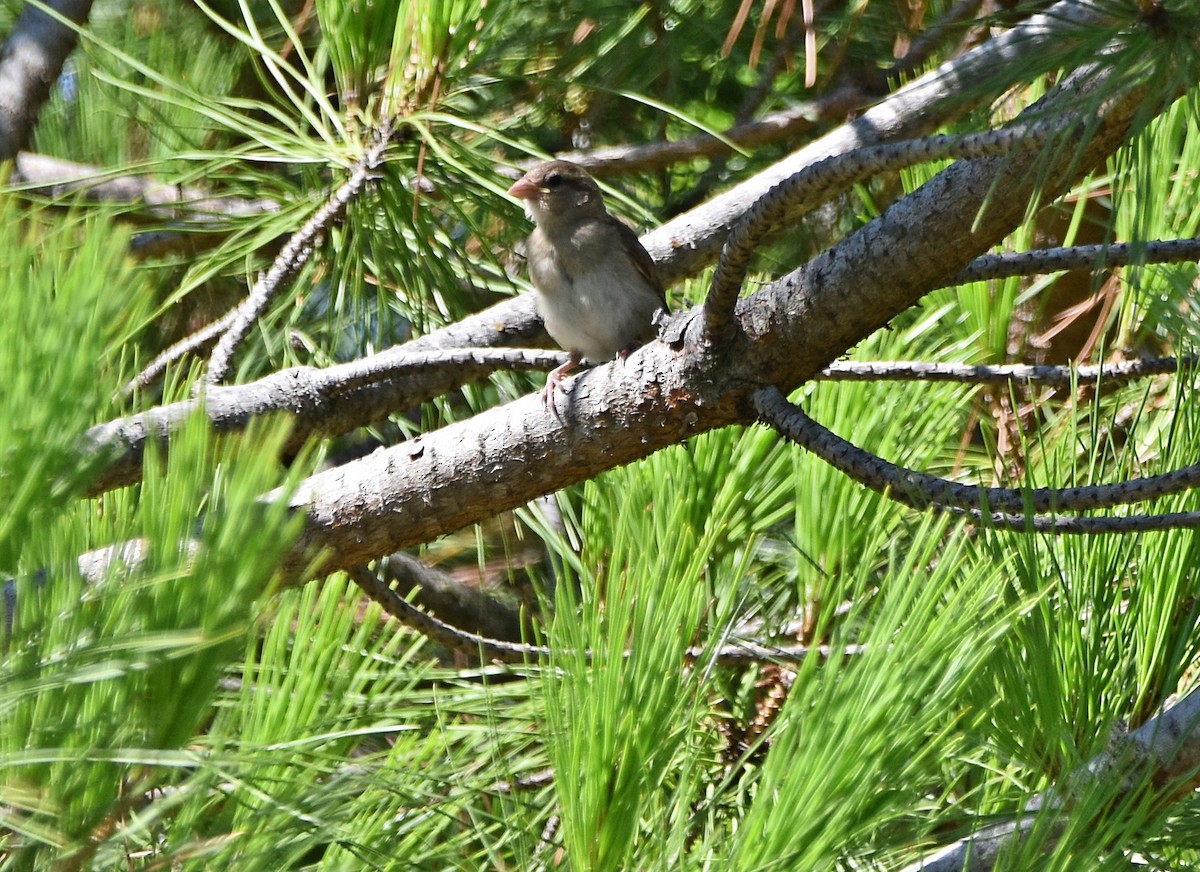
(557, 191)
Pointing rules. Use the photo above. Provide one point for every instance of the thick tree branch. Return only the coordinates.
(688, 243)
(790, 199)
(319, 402)
(674, 388)
(30, 63)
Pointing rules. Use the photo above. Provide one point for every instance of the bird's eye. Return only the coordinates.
(554, 181)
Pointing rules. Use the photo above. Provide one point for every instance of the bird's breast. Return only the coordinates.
(593, 307)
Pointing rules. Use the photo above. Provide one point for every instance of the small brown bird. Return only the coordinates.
(597, 289)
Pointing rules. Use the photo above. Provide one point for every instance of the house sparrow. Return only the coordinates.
(597, 289)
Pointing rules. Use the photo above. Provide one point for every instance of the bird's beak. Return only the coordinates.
(523, 189)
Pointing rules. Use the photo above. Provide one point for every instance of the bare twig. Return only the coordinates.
(292, 257)
(533, 781)
(462, 605)
(786, 124)
(1059, 526)
(733, 653)
(55, 178)
(961, 373)
(396, 363)
(194, 343)
(921, 491)
(177, 210)
(1047, 260)
(439, 631)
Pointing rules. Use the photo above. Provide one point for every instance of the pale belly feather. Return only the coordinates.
(596, 313)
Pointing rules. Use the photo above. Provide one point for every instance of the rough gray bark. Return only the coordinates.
(681, 248)
(692, 241)
(677, 386)
(30, 63)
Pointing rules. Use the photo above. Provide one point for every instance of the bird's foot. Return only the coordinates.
(554, 384)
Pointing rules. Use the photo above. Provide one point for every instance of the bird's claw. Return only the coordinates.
(553, 386)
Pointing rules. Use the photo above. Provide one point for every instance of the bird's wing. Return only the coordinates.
(640, 257)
